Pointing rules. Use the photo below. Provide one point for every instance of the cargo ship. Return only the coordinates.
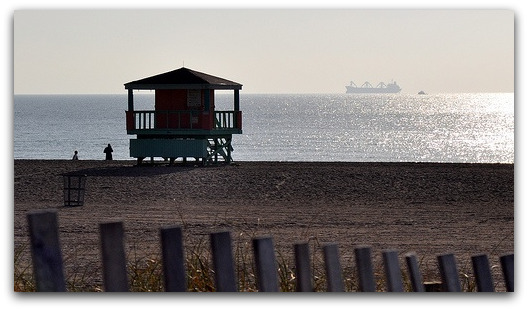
(367, 88)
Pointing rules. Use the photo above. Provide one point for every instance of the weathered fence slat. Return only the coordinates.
(507, 270)
(115, 277)
(449, 273)
(365, 269)
(49, 274)
(414, 273)
(334, 277)
(223, 263)
(482, 273)
(303, 272)
(267, 279)
(173, 260)
(46, 251)
(392, 271)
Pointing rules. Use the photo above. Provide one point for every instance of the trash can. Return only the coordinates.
(74, 188)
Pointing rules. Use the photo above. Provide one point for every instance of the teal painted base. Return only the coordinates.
(210, 150)
(168, 148)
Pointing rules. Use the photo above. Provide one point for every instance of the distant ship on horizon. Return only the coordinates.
(367, 88)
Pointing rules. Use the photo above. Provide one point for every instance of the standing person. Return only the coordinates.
(75, 157)
(108, 151)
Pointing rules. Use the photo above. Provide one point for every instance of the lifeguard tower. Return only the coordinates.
(184, 122)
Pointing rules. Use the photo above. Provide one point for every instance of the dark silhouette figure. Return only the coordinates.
(108, 151)
(75, 157)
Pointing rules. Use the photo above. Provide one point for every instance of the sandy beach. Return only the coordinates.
(428, 208)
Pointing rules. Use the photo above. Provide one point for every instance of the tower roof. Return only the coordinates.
(183, 78)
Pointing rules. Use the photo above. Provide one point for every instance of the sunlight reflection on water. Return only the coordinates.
(278, 127)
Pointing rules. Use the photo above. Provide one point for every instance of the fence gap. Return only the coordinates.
(46, 251)
(303, 273)
(507, 270)
(365, 269)
(392, 271)
(482, 273)
(115, 277)
(414, 273)
(173, 260)
(449, 273)
(267, 279)
(223, 263)
(334, 274)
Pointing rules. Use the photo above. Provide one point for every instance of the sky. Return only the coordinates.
(299, 50)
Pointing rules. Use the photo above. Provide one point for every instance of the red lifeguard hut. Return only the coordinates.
(184, 122)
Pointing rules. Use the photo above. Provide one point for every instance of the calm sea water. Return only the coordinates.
(277, 127)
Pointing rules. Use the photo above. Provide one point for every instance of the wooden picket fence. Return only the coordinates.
(49, 275)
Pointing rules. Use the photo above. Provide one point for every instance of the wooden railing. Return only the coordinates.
(145, 120)
(49, 275)
(225, 120)
(150, 120)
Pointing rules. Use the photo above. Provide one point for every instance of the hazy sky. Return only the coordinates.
(268, 51)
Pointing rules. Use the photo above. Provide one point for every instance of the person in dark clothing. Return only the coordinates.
(108, 151)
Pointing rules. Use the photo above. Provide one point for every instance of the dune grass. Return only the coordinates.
(145, 273)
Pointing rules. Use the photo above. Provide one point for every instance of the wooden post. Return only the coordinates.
(267, 280)
(236, 100)
(482, 273)
(130, 100)
(507, 263)
(303, 272)
(449, 273)
(114, 260)
(228, 149)
(414, 273)
(365, 269)
(46, 251)
(392, 271)
(173, 260)
(334, 275)
(223, 262)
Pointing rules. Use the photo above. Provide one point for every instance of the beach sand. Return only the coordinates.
(427, 208)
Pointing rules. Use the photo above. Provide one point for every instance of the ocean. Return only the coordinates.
(447, 128)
